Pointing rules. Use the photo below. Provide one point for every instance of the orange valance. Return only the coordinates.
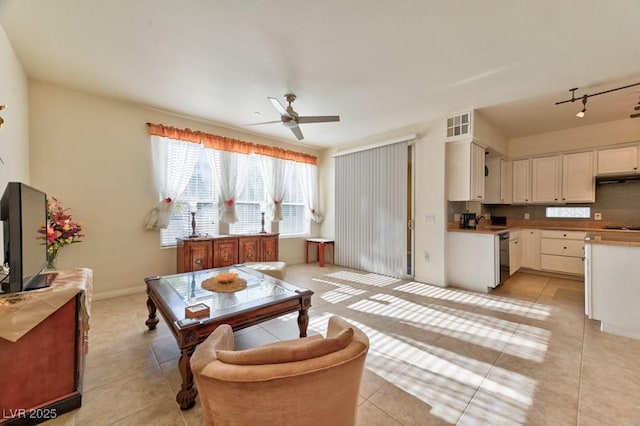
(228, 144)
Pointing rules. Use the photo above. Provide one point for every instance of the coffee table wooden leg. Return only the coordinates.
(153, 320)
(186, 397)
(303, 315)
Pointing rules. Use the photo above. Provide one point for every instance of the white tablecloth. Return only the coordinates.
(20, 312)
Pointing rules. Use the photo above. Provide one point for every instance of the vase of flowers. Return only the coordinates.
(59, 231)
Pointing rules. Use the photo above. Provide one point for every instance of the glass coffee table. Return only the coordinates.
(263, 298)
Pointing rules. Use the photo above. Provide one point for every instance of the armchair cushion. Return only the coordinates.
(293, 351)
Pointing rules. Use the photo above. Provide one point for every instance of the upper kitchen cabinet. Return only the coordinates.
(465, 171)
(578, 183)
(566, 178)
(498, 181)
(545, 179)
(521, 181)
(618, 160)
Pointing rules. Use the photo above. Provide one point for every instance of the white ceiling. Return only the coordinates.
(381, 65)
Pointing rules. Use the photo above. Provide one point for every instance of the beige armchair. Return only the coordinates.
(308, 381)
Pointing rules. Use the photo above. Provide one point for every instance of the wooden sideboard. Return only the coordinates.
(42, 371)
(195, 254)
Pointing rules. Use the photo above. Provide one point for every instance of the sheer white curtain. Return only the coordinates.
(308, 177)
(230, 170)
(275, 173)
(371, 210)
(173, 163)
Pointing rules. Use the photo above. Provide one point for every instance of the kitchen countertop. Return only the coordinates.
(620, 237)
(614, 238)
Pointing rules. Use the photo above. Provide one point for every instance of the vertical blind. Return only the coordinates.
(371, 210)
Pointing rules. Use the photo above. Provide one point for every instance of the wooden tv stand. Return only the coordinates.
(42, 371)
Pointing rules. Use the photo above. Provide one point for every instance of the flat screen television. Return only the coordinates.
(23, 210)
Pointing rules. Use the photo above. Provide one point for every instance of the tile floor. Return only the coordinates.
(524, 354)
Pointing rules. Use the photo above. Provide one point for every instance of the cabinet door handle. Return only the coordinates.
(565, 247)
(564, 235)
(198, 261)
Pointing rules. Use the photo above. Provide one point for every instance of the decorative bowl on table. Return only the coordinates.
(226, 278)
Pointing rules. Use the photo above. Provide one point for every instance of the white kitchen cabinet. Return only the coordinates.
(562, 251)
(618, 160)
(515, 251)
(473, 260)
(521, 181)
(578, 183)
(531, 249)
(545, 179)
(498, 182)
(566, 178)
(465, 171)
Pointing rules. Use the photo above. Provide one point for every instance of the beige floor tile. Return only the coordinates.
(119, 399)
(618, 374)
(522, 354)
(158, 414)
(409, 409)
(103, 367)
(370, 415)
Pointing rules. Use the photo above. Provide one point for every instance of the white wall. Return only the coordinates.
(609, 133)
(93, 153)
(14, 136)
(488, 135)
(430, 205)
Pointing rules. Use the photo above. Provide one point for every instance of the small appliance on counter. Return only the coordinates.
(498, 221)
(467, 220)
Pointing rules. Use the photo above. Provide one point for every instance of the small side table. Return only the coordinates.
(320, 243)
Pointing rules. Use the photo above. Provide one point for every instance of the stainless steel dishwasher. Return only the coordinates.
(504, 257)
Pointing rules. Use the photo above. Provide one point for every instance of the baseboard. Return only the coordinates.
(552, 274)
(117, 293)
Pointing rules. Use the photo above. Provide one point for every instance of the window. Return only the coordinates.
(293, 217)
(248, 202)
(569, 212)
(200, 189)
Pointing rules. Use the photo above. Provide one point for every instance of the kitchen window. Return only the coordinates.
(568, 212)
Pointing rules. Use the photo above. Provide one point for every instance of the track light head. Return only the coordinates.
(584, 107)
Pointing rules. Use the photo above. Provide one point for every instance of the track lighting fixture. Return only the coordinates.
(584, 107)
(1, 119)
(587, 96)
(637, 114)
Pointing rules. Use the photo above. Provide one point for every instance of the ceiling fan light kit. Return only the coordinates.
(290, 119)
(584, 98)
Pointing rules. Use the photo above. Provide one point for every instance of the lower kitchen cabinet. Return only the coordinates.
(562, 251)
(473, 260)
(515, 251)
(531, 249)
(194, 254)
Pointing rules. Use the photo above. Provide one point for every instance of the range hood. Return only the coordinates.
(602, 180)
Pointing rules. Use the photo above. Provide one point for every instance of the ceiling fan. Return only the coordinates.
(290, 119)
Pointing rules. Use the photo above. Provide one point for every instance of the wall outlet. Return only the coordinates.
(597, 216)
(527, 216)
(456, 217)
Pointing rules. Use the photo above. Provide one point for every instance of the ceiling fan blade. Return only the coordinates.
(296, 131)
(277, 105)
(264, 122)
(319, 119)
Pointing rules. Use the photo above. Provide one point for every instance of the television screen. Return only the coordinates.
(24, 211)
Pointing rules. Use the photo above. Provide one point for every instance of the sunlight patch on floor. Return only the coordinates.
(489, 332)
(495, 303)
(366, 279)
